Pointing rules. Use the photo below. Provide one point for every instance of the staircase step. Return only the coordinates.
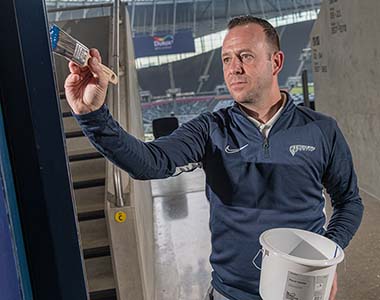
(67, 114)
(96, 252)
(85, 170)
(91, 215)
(90, 199)
(85, 156)
(79, 145)
(99, 274)
(65, 107)
(104, 295)
(74, 134)
(89, 183)
(93, 233)
(70, 124)
(82, 153)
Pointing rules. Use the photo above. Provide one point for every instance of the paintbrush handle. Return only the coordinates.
(112, 77)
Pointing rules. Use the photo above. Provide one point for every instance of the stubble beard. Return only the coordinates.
(255, 96)
(249, 99)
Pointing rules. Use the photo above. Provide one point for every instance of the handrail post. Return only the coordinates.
(117, 177)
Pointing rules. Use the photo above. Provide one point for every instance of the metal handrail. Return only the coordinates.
(118, 186)
(117, 178)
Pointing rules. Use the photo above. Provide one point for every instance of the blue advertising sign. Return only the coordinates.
(160, 44)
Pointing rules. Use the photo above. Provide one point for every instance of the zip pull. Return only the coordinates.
(266, 147)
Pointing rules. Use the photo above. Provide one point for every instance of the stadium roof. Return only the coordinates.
(202, 16)
(205, 16)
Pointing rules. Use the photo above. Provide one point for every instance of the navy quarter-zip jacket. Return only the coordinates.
(253, 183)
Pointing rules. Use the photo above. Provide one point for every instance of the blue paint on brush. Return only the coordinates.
(54, 35)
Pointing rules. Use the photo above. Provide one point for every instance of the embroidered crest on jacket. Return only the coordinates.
(297, 148)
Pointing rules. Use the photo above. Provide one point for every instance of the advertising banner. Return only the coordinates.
(166, 43)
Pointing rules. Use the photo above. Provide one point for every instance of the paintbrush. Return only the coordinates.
(65, 45)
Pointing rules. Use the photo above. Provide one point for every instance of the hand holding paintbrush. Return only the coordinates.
(65, 45)
(86, 87)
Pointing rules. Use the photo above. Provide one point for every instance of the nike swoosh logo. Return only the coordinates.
(230, 151)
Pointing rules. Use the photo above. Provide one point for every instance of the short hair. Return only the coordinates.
(270, 32)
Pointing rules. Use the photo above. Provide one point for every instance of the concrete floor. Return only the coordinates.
(182, 237)
(182, 240)
(359, 273)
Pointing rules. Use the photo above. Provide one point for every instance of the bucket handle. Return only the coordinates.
(336, 251)
(254, 259)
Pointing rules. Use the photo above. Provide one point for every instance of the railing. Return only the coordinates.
(117, 177)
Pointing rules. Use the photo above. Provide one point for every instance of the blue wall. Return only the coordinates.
(9, 283)
(14, 274)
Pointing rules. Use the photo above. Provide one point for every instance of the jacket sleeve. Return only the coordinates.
(340, 182)
(145, 160)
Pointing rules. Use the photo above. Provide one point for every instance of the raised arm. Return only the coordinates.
(157, 159)
(86, 89)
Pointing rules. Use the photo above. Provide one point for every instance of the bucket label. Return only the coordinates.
(305, 287)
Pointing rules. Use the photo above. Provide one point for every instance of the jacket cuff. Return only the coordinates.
(96, 114)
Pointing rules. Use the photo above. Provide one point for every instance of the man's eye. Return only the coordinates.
(226, 60)
(246, 57)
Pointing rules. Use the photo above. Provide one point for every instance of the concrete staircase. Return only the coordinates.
(88, 172)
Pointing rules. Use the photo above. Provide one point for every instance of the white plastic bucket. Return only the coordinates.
(297, 265)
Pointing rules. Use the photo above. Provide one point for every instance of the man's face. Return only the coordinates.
(247, 63)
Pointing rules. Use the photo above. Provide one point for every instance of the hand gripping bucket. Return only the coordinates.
(297, 265)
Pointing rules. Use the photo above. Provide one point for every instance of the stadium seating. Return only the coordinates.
(294, 38)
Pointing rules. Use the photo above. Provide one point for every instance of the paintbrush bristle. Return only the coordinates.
(67, 46)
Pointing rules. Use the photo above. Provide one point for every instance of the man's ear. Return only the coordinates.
(277, 62)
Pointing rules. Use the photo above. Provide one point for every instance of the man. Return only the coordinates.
(266, 160)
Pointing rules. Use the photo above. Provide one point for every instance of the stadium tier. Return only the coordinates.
(188, 73)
